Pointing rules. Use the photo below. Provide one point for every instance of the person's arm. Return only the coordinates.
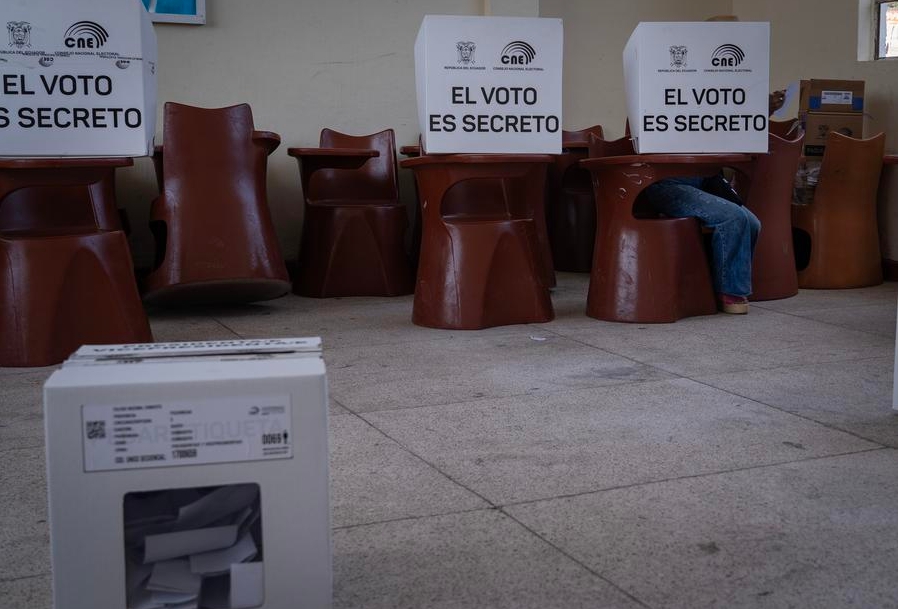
(775, 101)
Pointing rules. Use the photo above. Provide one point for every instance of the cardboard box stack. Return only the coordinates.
(830, 105)
(825, 106)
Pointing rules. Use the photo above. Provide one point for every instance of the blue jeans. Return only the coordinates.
(735, 228)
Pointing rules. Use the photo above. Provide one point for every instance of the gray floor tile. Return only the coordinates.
(813, 300)
(384, 377)
(8, 371)
(730, 343)
(21, 409)
(26, 593)
(178, 326)
(478, 560)
(334, 408)
(819, 533)
(854, 396)
(691, 512)
(24, 533)
(342, 322)
(531, 447)
(374, 479)
(875, 318)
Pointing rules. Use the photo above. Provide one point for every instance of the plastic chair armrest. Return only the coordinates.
(268, 140)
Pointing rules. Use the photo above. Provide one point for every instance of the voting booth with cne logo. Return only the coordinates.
(77, 79)
(489, 84)
(696, 87)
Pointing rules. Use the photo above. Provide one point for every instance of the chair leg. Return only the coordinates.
(353, 251)
(482, 274)
(656, 273)
(65, 291)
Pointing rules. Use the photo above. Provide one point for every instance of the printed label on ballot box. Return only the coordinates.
(132, 436)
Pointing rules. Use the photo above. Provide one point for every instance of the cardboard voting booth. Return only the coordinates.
(698, 87)
(189, 475)
(489, 84)
(77, 79)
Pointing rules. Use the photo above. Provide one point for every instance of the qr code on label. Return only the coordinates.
(96, 430)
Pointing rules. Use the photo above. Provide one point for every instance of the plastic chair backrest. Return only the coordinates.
(773, 173)
(210, 154)
(784, 129)
(581, 134)
(620, 147)
(850, 170)
(375, 180)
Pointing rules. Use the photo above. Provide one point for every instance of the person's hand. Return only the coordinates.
(775, 101)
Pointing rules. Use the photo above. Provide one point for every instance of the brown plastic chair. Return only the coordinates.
(480, 263)
(841, 221)
(215, 242)
(66, 276)
(647, 268)
(570, 206)
(354, 223)
(492, 196)
(768, 195)
(488, 195)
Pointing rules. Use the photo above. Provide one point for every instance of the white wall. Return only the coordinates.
(819, 39)
(595, 35)
(348, 64)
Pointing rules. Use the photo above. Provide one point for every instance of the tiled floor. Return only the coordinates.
(719, 461)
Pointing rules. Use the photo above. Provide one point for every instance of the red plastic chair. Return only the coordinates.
(481, 261)
(215, 241)
(354, 223)
(841, 221)
(647, 268)
(66, 276)
(768, 195)
(570, 206)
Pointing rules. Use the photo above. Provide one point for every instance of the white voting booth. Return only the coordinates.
(698, 86)
(189, 475)
(77, 78)
(489, 84)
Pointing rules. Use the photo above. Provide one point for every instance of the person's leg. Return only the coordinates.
(735, 230)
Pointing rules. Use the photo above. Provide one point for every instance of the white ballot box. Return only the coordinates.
(189, 475)
(489, 84)
(698, 87)
(77, 78)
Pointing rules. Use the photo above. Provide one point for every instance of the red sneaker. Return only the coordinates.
(735, 305)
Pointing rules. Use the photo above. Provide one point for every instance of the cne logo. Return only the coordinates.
(728, 56)
(85, 35)
(517, 53)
